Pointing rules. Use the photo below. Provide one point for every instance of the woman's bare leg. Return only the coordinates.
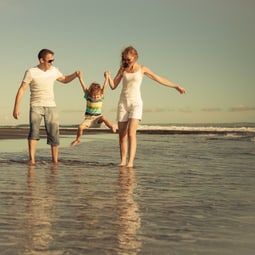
(132, 143)
(123, 142)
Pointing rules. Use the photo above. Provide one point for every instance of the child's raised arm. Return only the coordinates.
(106, 80)
(83, 85)
(110, 80)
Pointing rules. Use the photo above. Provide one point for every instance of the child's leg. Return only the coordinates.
(108, 123)
(78, 135)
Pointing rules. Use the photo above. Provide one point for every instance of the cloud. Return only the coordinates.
(149, 109)
(185, 110)
(162, 110)
(213, 109)
(242, 108)
(156, 109)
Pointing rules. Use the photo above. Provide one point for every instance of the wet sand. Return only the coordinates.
(21, 133)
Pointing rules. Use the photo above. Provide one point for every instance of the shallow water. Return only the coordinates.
(187, 194)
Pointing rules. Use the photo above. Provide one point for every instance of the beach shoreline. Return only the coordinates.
(22, 132)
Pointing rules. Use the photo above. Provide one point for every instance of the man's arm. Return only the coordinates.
(18, 98)
(68, 78)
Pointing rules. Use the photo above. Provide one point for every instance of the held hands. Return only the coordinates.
(108, 78)
(107, 75)
(78, 74)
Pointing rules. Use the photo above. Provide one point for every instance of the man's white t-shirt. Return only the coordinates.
(42, 85)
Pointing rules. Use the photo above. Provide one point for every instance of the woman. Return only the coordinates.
(130, 103)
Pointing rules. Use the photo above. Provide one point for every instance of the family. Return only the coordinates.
(40, 79)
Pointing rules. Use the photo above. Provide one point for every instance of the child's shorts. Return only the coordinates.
(91, 121)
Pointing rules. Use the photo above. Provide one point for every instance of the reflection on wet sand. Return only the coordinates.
(40, 210)
(129, 220)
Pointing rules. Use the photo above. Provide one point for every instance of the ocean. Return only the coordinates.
(191, 191)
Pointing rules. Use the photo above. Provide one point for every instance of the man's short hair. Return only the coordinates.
(42, 53)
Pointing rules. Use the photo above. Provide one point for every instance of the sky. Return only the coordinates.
(205, 46)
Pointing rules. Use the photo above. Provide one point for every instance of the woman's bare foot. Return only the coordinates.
(122, 163)
(130, 165)
(73, 143)
(31, 163)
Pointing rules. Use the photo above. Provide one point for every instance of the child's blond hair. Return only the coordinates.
(94, 89)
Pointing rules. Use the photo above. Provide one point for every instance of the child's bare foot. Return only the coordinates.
(114, 128)
(74, 143)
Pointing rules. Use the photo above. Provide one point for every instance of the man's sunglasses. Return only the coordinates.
(50, 61)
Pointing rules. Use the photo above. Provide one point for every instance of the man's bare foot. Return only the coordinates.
(114, 128)
(74, 143)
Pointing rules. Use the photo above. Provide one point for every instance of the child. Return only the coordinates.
(94, 96)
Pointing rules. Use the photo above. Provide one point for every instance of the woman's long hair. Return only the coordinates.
(131, 50)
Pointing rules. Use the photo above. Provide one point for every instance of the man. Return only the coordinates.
(41, 80)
